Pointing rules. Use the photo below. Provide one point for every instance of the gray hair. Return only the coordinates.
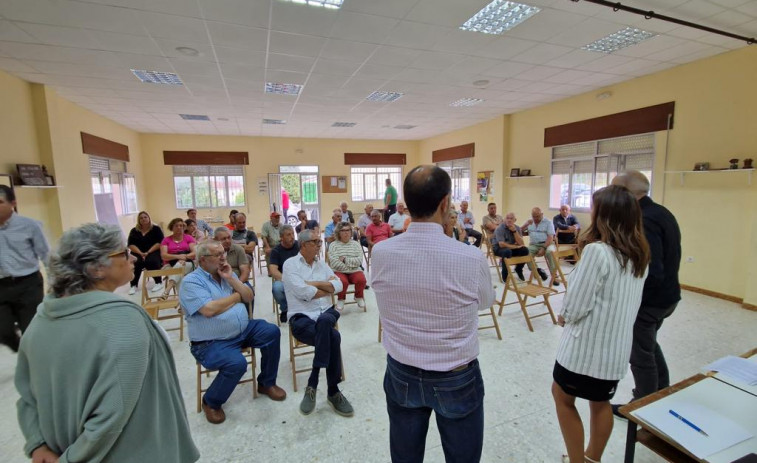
(635, 181)
(204, 248)
(341, 226)
(286, 227)
(81, 253)
(306, 235)
(343, 203)
(220, 230)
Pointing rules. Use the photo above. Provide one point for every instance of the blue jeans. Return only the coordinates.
(327, 341)
(225, 356)
(457, 397)
(278, 294)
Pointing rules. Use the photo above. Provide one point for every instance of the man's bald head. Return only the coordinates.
(425, 188)
(635, 181)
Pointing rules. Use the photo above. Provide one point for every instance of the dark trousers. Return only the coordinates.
(507, 253)
(475, 234)
(151, 262)
(225, 356)
(19, 298)
(566, 238)
(648, 366)
(327, 341)
(457, 398)
(388, 211)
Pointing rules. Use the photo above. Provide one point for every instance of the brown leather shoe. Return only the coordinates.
(274, 392)
(213, 415)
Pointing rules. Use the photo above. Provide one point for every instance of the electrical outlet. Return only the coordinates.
(690, 260)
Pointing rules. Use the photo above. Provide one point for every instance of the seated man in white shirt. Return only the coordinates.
(397, 220)
(309, 284)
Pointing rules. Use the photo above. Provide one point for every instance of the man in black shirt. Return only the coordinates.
(661, 288)
(306, 224)
(288, 247)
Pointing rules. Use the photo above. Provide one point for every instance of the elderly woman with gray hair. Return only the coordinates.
(96, 376)
(345, 258)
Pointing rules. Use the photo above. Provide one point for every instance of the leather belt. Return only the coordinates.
(12, 280)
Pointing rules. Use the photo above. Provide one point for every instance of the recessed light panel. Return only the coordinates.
(157, 77)
(330, 4)
(499, 16)
(405, 127)
(194, 117)
(344, 124)
(621, 39)
(466, 102)
(384, 96)
(274, 121)
(283, 89)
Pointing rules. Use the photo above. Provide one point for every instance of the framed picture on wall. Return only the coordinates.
(525, 172)
(515, 172)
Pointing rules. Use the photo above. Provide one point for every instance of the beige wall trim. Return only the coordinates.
(715, 294)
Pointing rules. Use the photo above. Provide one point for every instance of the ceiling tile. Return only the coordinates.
(379, 72)
(240, 56)
(363, 27)
(537, 73)
(286, 77)
(302, 19)
(647, 47)
(509, 69)
(242, 71)
(189, 30)
(128, 43)
(573, 59)
(244, 12)
(393, 56)
(451, 13)
(231, 35)
(458, 41)
(389, 8)
(289, 63)
(545, 24)
(57, 54)
(295, 44)
(436, 60)
(605, 62)
(727, 19)
(13, 33)
(335, 67)
(586, 32)
(415, 35)
(60, 36)
(542, 53)
(347, 50)
(695, 10)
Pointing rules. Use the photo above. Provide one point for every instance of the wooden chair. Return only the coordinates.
(380, 330)
(495, 325)
(261, 259)
(249, 353)
(154, 304)
(276, 310)
(367, 257)
(526, 290)
(565, 233)
(566, 254)
(486, 238)
(300, 349)
(352, 291)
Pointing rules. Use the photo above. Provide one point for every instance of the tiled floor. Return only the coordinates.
(521, 425)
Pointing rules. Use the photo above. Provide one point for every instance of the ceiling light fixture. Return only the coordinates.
(499, 16)
(384, 96)
(274, 121)
(194, 117)
(405, 127)
(466, 102)
(329, 4)
(344, 124)
(282, 89)
(157, 77)
(189, 51)
(481, 83)
(618, 40)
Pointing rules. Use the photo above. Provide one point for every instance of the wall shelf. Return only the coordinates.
(527, 176)
(683, 173)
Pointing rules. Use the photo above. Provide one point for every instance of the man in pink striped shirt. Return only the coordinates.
(429, 290)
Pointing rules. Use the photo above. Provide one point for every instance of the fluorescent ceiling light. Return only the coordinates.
(384, 96)
(330, 4)
(499, 16)
(157, 77)
(194, 117)
(282, 89)
(617, 40)
(274, 121)
(466, 102)
(405, 127)
(344, 124)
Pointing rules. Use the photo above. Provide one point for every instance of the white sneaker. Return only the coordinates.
(339, 305)
(132, 290)
(360, 302)
(156, 288)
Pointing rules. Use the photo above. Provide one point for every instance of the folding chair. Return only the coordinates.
(495, 325)
(565, 233)
(276, 310)
(367, 257)
(486, 237)
(154, 304)
(566, 254)
(300, 349)
(261, 259)
(526, 290)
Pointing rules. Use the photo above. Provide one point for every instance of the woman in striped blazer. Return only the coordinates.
(598, 313)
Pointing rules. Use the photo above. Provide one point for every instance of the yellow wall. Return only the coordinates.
(266, 155)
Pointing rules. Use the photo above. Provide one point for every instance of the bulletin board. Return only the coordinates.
(334, 184)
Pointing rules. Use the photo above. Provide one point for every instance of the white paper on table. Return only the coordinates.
(722, 432)
(739, 369)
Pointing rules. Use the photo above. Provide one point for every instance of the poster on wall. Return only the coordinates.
(484, 185)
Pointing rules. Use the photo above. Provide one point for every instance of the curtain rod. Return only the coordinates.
(651, 14)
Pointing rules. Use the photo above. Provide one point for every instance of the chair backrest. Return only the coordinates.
(511, 262)
(568, 254)
(163, 273)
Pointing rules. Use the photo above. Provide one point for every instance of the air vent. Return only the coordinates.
(466, 102)
(194, 117)
(157, 77)
(405, 127)
(274, 121)
(344, 124)
(384, 96)
(278, 88)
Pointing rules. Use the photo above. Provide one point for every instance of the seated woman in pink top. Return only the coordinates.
(377, 231)
(178, 251)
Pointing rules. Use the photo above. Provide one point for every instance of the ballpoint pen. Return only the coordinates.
(689, 423)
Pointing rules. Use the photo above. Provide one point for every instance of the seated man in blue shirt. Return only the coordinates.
(309, 283)
(214, 300)
(328, 233)
(542, 242)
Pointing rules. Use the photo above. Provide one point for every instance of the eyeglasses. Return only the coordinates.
(126, 252)
(345, 230)
(221, 254)
(316, 242)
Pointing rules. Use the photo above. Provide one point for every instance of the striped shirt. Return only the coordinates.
(197, 289)
(429, 290)
(300, 295)
(599, 309)
(22, 246)
(352, 253)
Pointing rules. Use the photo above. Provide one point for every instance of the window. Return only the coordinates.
(368, 182)
(580, 169)
(208, 186)
(110, 176)
(459, 171)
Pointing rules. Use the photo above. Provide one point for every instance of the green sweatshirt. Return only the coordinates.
(98, 384)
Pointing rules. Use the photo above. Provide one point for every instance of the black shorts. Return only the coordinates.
(585, 387)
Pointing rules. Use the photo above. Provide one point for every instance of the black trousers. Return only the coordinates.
(151, 262)
(648, 366)
(475, 234)
(327, 341)
(505, 253)
(388, 211)
(19, 298)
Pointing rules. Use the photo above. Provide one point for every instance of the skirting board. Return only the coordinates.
(715, 294)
